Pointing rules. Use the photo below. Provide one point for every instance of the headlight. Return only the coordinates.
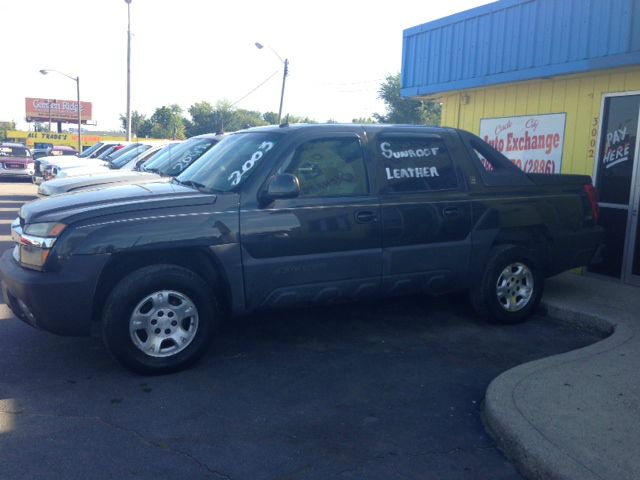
(43, 189)
(50, 172)
(34, 242)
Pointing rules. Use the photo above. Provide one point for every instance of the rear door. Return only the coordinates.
(323, 245)
(426, 212)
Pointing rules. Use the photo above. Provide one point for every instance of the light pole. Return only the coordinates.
(128, 2)
(285, 62)
(77, 80)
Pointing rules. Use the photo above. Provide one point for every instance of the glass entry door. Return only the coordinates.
(618, 186)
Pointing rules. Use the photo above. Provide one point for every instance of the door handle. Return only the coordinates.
(366, 216)
(451, 211)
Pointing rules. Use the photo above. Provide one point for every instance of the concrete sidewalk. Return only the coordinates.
(576, 415)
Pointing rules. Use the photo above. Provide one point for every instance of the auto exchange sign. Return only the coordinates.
(533, 142)
(43, 109)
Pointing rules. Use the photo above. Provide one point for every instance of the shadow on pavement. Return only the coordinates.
(389, 390)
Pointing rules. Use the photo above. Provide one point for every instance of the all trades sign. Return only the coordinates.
(533, 143)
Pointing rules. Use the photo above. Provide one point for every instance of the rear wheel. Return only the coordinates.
(511, 286)
(159, 319)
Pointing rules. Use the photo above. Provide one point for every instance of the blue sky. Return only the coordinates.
(192, 50)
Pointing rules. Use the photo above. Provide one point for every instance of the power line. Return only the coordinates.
(256, 88)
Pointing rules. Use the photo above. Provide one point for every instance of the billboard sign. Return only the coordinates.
(43, 109)
(533, 142)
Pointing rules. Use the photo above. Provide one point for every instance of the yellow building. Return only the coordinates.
(552, 84)
(35, 139)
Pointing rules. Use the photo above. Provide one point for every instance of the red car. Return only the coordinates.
(15, 160)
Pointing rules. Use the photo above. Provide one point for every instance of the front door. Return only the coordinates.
(324, 245)
(618, 183)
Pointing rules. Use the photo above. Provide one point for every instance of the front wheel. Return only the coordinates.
(511, 286)
(159, 319)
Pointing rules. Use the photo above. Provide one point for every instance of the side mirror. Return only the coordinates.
(283, 185)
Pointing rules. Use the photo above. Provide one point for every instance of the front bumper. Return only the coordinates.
(59, 302)
(16, 172)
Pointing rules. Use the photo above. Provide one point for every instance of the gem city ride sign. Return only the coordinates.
(43, 109)
(534, 143)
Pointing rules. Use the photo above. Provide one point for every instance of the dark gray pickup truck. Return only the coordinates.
(301, 214)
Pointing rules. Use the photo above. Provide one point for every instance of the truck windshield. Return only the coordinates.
(89, 151)
(11, 151)
(129, 155)
(232, 161)
(176, 157)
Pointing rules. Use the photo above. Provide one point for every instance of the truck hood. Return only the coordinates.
(69, 161)
(52, 158)
(90, 204)
(99, 180)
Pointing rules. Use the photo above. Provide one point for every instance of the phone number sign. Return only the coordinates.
(534, 143)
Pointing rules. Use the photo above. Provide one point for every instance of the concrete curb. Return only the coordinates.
(534, 455)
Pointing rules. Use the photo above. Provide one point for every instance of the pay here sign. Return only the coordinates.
(534, 143)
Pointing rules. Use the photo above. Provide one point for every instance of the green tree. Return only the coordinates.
(140, 125)
(40, 127)
(206, 118)
(4, 126)
(363, 120)
(405, 110)
(202, 119)
(272, 118)
(249, 118)
(167, 122)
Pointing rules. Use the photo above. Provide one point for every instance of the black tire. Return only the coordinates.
(177, 288)
(510, 302)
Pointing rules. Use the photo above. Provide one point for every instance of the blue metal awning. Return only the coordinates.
(516, 40)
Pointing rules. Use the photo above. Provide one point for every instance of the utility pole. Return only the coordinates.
(128, 70)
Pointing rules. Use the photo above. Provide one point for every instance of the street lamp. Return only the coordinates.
(77, 80)
(285, 62)
(128, 2)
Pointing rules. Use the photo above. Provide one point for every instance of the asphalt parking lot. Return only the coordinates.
(377, 391)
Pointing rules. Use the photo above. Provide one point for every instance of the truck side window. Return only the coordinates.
(415, 164)
(495, 169)
(330, 167)
(490, 159)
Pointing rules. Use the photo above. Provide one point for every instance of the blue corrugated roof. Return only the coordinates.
(515, 40)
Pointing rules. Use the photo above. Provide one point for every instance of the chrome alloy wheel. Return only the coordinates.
(514, 287)
(164, 323)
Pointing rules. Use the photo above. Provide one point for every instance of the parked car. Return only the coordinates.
(54, 151)
(169, 161)
(52, 169)
(278, 216)
(45, 164)
(112, 161)
(15, 160)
